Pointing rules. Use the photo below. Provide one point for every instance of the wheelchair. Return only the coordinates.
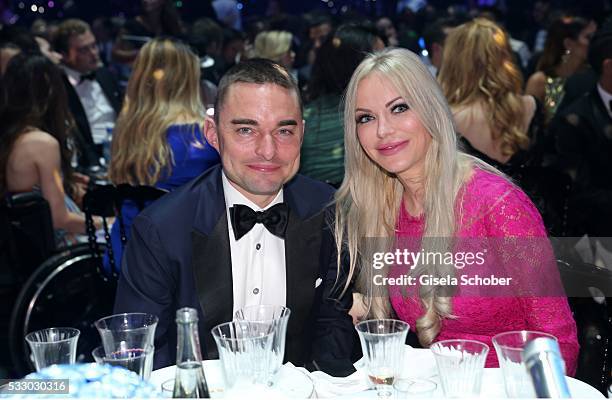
(68, 287)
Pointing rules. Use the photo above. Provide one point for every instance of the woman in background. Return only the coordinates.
(483, 87)
(158, 139)
(34, 145)
(322, 154)
(565, 53)
(405, 181)
(275, 46)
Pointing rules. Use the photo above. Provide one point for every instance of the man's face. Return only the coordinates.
(258, 135)
(82, 54)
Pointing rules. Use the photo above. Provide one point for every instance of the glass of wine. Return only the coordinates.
(382, 344)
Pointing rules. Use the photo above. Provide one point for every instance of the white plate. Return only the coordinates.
(292, 382)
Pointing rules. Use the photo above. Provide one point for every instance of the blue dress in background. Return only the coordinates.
(192, 156)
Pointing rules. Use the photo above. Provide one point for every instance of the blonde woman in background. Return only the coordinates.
(158, 139)
(483, 87)
(275, 46)
(405, 179)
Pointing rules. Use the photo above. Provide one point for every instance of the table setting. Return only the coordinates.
(251, 350)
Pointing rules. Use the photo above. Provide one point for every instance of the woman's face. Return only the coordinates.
(390, 133)
(579, 47)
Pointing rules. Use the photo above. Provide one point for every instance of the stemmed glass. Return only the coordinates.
(382, 344)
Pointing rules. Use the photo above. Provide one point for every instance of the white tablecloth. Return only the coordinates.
(297, 382)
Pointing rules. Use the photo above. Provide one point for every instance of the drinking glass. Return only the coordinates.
(53, 346)
(136, 360)
(460, 366)
(509, 347)
(382, 344)
(277, 318)
(127, 332)
(245, 350)
(167, 388)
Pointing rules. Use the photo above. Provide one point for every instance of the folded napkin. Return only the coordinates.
(418, 363)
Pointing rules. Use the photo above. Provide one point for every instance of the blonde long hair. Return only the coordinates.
(478, 67)
(368, 201)
(164, 88)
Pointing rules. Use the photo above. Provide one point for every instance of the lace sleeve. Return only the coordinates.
(519, 231)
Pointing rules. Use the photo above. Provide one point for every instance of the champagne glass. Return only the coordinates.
(382, 343)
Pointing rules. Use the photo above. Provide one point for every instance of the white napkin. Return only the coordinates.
(418, 363)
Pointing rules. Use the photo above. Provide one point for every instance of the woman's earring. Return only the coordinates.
(565, 57)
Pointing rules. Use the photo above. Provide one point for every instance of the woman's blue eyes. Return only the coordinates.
(396, 109)
(399, 108)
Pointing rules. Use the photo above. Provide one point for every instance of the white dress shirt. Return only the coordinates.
(606, 98)
(100, 113)
(258, 258)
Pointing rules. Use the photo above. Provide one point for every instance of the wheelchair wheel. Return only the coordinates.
(66, 290)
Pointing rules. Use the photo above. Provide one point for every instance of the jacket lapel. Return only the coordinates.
(302, 249)
(211, 259)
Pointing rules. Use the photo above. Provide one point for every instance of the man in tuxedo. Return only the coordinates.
(94, 97)
(247, 232)
(582, 134)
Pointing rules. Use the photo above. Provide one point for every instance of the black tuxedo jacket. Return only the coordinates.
(179, 256)
(583, 142)
(88, 153)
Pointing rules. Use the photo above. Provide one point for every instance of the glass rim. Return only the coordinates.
(495, 339)
(98, 322)
(471, 341)
(30, 336)
(216, 334)
(284, 311)
(147, 351)
(379, 320)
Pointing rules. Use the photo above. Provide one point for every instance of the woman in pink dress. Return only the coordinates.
(406, 180)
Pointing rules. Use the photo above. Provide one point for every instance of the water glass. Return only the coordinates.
(277, 318)
(53, 346)
(167, 388)
(136, 360)
(127, 332)
(460, 366)
(509, 347)
(408, 388)
(382, 344)
(245, 350)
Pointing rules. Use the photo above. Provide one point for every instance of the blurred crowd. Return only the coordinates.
(125, 99)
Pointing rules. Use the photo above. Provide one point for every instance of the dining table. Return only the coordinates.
(297, 383)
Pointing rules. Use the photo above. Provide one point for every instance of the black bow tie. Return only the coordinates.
(90, 76)
(274, 219)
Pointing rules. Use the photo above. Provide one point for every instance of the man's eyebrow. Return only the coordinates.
(286, 122)
(244, 121)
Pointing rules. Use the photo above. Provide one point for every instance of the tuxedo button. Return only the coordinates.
(258, 246)
(256, 291)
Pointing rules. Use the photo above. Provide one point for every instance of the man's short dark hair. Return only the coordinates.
(255, 70)
(600, 47)
(66, 30)
(435, 33)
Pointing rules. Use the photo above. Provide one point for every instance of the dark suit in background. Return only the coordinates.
(89, 152)
(179, 256)
(582, 135)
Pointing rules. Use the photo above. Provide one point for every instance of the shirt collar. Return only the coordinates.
(605, 97)
(233, 196)
(74, 76)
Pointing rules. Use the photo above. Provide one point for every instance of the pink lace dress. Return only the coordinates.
(491, 207)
